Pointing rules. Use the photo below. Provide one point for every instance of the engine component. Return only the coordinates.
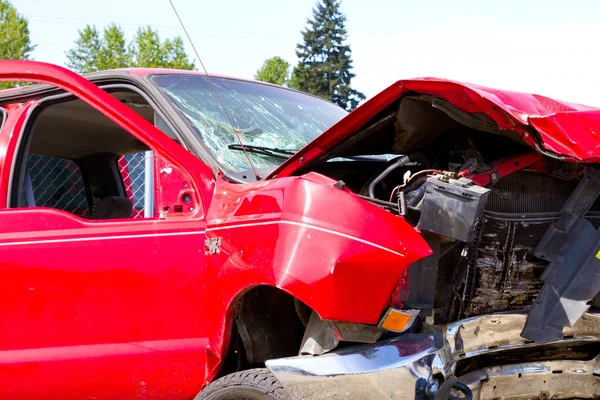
(452, 208)
(506, 167)
(459, 160)
(572, 280)
(398, 162)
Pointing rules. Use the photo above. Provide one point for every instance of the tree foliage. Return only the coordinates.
(274, 70)
(14, 36)
(324, 59)
(92, 53)
(113, 50)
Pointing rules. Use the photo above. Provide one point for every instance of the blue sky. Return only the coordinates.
(548, 47)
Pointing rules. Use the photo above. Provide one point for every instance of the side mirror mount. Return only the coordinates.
(176, 191)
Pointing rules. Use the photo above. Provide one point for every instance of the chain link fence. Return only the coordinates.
(54, 182)
(58, 183)
(132, 168)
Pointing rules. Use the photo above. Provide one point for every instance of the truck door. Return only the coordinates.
(101, 249)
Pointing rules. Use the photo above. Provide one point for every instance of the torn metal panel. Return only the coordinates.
(540, 380)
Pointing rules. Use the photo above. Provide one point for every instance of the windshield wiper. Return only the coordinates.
(267, 151)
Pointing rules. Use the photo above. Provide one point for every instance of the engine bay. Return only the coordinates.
(492, 208)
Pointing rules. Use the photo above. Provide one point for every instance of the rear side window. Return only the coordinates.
(132, 168)
(56, 183)
(2, 117)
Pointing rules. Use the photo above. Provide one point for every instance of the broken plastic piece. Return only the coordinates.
(572, 279)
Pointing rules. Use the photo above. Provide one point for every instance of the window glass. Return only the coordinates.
(263, 115)
(132, 168)
(54, 182)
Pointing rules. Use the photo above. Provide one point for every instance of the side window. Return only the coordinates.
(72, 158)
(134, 170)
(54, 182)
(2, 117)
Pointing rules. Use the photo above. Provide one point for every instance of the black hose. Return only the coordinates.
(399, 162)
(445, 390)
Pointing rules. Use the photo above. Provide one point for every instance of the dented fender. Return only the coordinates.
(325, 246)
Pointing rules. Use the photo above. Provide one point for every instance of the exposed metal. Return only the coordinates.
(541, 380)
(213, 245)
(400, 367)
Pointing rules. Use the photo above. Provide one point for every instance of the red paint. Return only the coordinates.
(136, 309)
(506, 167)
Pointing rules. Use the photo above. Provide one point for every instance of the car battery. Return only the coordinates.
(452, 208)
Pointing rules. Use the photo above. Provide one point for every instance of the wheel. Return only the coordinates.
(252, 384)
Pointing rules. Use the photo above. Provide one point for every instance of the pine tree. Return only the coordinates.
(325, 62)
(274, 70)
(14, 36)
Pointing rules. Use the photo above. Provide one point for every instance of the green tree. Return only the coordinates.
(324, 59)
(274, 70)
(14, 36)
(85, 56)
(146, 49)
(176, 56)
(150, 52)
(113, 52)
(94, 53)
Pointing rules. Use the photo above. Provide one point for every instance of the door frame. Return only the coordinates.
(166, 150)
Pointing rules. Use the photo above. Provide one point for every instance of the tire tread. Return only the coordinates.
(258, 378)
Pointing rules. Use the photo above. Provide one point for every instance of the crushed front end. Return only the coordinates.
(483, 357)
(505, 306)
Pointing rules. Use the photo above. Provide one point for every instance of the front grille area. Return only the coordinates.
(504, 275)
(506, 272)
(530, 192)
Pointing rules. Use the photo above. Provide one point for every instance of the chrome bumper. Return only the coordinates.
(403, 367)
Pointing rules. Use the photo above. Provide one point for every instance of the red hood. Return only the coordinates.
(566, 129)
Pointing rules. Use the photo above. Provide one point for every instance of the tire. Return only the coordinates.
(252, 384)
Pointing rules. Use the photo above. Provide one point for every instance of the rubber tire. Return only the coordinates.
(252, 384)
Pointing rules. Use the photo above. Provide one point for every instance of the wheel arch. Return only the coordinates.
(263, 322)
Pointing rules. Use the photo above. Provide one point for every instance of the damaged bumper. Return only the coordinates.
(409, 366)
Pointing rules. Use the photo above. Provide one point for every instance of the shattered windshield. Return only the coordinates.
(272, 122)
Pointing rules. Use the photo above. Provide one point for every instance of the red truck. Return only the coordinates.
(441, 239)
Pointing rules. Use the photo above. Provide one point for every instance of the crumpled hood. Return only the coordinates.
(563, 129)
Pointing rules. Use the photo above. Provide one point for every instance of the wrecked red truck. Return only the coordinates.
(441, 241)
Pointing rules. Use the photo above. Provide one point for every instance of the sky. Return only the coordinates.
(548, 47)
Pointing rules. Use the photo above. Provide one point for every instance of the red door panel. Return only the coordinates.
(94, 309)
(115, 303)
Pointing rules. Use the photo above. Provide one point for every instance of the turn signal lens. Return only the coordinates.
(396, 320)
